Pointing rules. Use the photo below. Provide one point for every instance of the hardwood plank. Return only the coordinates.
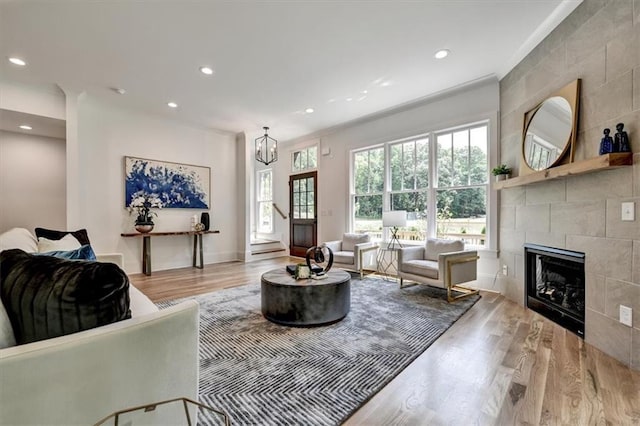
(500, 364)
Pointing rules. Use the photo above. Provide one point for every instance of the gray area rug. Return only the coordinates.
(261, 373)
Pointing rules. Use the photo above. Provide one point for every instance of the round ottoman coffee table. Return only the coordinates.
(305, 303)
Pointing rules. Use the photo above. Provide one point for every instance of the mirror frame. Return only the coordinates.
(571, 93)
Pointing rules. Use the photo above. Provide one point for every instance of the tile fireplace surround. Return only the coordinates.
(598, 43)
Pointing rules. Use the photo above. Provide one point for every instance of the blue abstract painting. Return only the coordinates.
(179, 186)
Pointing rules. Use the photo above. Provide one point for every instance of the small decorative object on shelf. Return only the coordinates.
(606, 143)
(319, 260)
(205, 220)
(199, 227)
(621, 140)
(501, 172)
(141, 204)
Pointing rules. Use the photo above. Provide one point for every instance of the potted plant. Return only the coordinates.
(501, 172)
(141, 205)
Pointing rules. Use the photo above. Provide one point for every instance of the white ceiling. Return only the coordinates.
(41, 126)
(272, 59)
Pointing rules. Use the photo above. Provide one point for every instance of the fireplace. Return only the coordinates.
(555, 286)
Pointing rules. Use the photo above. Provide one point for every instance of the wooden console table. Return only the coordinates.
(146, 246)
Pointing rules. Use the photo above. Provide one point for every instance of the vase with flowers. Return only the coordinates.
(141, 204)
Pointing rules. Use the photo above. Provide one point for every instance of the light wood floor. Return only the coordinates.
(500, 364)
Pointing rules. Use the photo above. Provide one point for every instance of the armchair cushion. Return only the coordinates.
(425, 268)
(345, 257)
(335, 246)
(349, 241)
(435, 247)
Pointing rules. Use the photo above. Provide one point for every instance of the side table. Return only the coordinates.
(179, 410)
(146, 246)
(388, 261)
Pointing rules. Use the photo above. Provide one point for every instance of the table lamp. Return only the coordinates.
(394, 219)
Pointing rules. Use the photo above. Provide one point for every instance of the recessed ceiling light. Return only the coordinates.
(349, 99)
(309, 110)
(172, 105)
(362, 98)
(385, 83)
(206, 70)
(25, 127)
(364, 92)
(441, 54)
(17, 61)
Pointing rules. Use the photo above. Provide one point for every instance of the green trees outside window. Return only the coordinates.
(399, 176)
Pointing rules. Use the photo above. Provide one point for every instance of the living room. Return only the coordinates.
(597, 43)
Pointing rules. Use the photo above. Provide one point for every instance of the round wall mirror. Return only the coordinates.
(548, 134)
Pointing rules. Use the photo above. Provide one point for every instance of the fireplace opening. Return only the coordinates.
(555, 286)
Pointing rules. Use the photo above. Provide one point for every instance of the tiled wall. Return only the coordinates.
(599, 43)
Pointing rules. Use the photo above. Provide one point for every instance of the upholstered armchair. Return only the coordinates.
(353, 252)
(440, 263)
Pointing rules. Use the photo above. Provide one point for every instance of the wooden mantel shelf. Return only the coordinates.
(602, 162)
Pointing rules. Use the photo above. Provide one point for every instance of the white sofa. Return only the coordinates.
(83, 377)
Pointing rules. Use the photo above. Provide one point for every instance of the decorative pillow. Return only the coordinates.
(437, 246)
(19, 238)
(66, 243)
(349, 241)
(83, 253)
(50, 234)
(46, 297)
(7, 338)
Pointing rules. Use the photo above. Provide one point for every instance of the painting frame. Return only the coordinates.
(177, 185)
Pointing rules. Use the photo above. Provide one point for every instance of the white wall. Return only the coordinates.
(99, 135)
(106, 134)
(475, 102)
(32, 182)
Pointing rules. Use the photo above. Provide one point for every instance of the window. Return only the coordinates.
(303, 198)
(462, 168)
(305, 159)
(265, 201)
(449, 178)
(409, 164)
(369, 187)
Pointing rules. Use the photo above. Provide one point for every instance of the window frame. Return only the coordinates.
(304, 150)
(352, 183)
(260, 201)
(432, 178)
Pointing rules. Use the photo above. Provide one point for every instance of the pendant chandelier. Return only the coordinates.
(266, 148)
